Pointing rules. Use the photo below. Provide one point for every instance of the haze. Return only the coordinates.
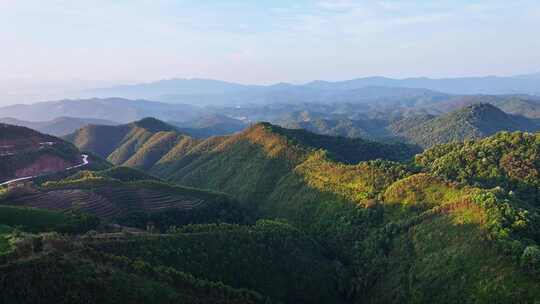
(52, 50)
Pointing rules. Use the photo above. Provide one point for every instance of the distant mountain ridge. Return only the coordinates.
(212, 92)
(208, 91)
(476, 120)
(59, 126)
(210, 125)
(525, 105)
(113, 109)
(524, 84)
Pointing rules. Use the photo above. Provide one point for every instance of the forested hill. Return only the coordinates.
(427, 232)
(152, 143)
(348, 150)
(458, 223)
(138, 144)
(474, 121)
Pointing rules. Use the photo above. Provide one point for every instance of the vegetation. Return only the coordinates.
(5, 246)
(153, 148)
(270, 257)
(523, 105)
(354, 221)
(457, 119)
(90, 277)
(507, 160)
(474, 121)
(130, 197)
(210, 125)
(38, 220)
(369, 128)
(124, 174)
(141, 143)
(364, 213)
(344, 149)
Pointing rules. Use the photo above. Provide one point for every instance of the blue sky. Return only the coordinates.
(95, 42)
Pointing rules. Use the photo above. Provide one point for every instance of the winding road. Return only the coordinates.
(84, 163)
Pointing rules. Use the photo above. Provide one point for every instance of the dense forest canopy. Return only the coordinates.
(341, 219)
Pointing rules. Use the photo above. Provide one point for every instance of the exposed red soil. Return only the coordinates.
(44, 164)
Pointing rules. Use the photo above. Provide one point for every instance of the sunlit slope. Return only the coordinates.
(254, 161)
(375, 214)
(138, 144)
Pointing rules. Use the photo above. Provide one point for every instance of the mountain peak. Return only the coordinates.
(472, 121)
(481, 106)
(483, 111)
(153, 124)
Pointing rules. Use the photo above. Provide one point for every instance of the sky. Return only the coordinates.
(53, 46)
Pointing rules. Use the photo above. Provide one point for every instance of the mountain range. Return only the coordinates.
(59, 126)
(111, 109)
(470, 122)
(208, 125)
(148, 142)
(319, 182)
(207, 91)
(331, 219)
(374, 120)
(364, 191)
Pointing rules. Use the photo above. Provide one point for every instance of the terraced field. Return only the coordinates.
(156, 201)
(107, 202)
(67, 200)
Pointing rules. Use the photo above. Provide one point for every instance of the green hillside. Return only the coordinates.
(402, 125)
(353, 220)
(506, 160)
(458, 119)
(252, 163)
(388, 213)
(523, 105)
(210, 125)
(369, 128)
(158, 148)
(474, 121)
(84, 276)
(39, 220)
(139, 143)
(129, 197)
(180, 265)
(272, 258)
